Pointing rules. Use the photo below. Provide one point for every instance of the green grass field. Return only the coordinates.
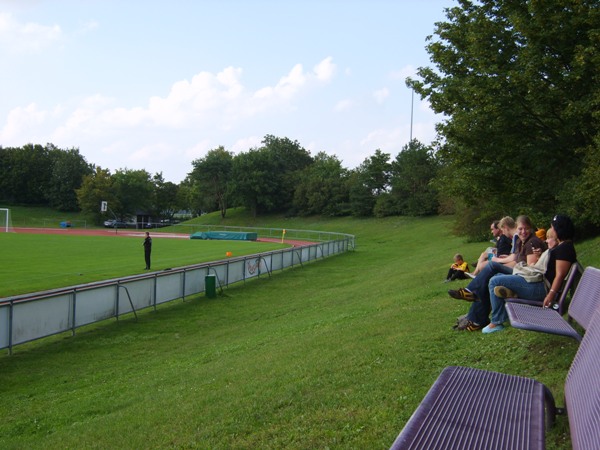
(35, 262)
(335, 354)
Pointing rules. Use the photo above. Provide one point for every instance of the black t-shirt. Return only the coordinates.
(565, 251)
(503, 245)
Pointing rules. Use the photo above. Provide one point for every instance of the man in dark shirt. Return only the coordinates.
(147, 249)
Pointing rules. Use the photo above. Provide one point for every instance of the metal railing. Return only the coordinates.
(272, 233)
(28, 317)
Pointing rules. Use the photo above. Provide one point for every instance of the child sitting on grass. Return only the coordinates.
(458, 269)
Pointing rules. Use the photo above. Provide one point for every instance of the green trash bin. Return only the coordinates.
(210, 286)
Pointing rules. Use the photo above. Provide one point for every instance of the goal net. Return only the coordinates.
(5, 221)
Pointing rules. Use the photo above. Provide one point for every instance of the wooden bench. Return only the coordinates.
(585, 301)
(477, 409)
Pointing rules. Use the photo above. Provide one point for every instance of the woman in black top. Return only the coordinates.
(561, 256)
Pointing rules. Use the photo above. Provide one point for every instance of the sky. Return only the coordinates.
(155, 85)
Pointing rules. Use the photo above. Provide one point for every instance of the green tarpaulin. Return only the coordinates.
(225, 235)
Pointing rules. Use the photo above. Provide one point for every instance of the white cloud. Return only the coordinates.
(290, 85)
(343, 105)
(325, 70)
(89, 26)
(162, 132)
(155, 152)
(207, 101)
(242, 145)
(22, 121)
(381, 94)
(198, 150)
(403, 73)
(388, 140)
(16, 37)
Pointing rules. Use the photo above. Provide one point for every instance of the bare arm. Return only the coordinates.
(505, 259)
(562, 267)
(532, 259)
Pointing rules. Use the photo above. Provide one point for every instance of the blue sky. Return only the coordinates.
(155, 85)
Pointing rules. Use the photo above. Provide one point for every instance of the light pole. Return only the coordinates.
(412, 105)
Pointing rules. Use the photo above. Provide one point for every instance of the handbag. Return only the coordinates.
(534, 273)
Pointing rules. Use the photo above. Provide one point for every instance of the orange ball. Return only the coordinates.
(229, 254)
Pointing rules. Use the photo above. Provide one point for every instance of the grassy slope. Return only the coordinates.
(336, 354)
(26, 216)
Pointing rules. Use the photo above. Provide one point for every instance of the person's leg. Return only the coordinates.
(480, 309)
(479, 312)
(479, 285)
(480, 265)
(499, 315)
(517, 284)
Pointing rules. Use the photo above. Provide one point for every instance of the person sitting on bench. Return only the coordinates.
(560, 256)
(477, 291)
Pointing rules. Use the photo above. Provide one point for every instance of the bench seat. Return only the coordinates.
(570, 280)
(544, 320)
(479, 409)
(585, 301)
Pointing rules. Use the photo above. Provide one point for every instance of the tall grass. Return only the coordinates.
(335, 354)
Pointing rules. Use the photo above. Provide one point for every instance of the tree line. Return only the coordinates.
(279, 176)
(516, 83)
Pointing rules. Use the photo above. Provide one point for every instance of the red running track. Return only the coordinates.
(133, 233)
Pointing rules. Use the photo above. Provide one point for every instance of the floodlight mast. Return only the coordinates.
(104, 207)
(412, 107)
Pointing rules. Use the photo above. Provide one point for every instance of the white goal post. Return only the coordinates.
(5, 221)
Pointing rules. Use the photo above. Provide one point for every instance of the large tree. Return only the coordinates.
(212, 175)
(68, 169)
(264, 179)
(166, 197)
(413, 172)
(288, 158)
(135, 191)
(96, 188)
(322, 187)
(253, 182)
(25, 174)
(42, 175)
(517, 82)
(368, 182)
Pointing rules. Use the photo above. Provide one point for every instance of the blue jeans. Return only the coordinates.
(480, 311)
(517, 284)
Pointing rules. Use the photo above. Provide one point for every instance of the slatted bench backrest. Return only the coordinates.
(569, 285)
(586, 298)
(582, 390)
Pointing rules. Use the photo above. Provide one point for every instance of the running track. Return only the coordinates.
(133, 233)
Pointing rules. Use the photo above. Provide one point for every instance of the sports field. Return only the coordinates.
(41, 259)
(335, 354)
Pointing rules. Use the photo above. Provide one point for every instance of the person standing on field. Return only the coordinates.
(147, 249)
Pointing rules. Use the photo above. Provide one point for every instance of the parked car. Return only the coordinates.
(115, 224)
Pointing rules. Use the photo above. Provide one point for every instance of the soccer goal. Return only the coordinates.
(5, 221)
